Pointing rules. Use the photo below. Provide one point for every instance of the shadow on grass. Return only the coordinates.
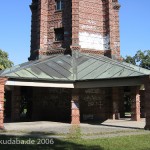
(40, 140)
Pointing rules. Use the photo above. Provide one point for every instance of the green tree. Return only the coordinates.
(141, 58)
(4, 60)
(130, 60)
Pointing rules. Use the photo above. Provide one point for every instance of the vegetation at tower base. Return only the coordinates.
(4, 60)
(141, 58)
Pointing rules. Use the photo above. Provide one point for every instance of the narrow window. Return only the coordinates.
(59, 34)
(59, 4)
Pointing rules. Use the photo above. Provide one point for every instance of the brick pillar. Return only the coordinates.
(142, 100)
(115, 102)
(43, 24)
(135, 105)
(16, 100)
(2, 85)
(147, 103)
(114, 7)
(75, 111)
(35, 30)
(75, 22)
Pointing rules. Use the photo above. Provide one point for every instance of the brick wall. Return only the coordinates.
(142, 103)
(90, 25)
(95, 104)
(55, 104)
(95, 27)
(51, 104)
(93, 32)
(114, 28)
(135, 104)
(2, 85)
(45, 18)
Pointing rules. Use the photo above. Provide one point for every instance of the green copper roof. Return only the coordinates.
(71, 68)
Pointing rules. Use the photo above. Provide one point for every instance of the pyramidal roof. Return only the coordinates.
(78, 67)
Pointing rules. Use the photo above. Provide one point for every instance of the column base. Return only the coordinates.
(2, 127)
(1, 120)
(115, 116)
(135, 118)
(75, 120)
(75, 123)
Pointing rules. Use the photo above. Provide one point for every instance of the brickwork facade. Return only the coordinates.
(95, 104)
(135, 105)
(2, 85)
(75, 108)
(71, 105)
(142, 103)
(45, 19)
(77, 105)
(66, 105)
(51, 104)
(89, 25)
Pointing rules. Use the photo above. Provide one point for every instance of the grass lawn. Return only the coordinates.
(134, 142)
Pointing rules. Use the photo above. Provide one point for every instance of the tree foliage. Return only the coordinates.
(4, 60)
(141, 58)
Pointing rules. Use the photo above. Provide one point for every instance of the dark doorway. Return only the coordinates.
(7, 105)
(127, 102)
(26, 104)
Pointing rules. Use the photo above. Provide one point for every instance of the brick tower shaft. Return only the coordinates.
(89, 26)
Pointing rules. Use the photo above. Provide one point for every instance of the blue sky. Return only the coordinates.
(15, 18)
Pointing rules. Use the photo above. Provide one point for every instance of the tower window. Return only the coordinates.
(59, 34)
(59, 4)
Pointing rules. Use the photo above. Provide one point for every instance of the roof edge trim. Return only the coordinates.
(40, 84)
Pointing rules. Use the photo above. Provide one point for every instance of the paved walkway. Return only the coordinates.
(109, 128)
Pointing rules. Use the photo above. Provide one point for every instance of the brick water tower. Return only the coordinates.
(63, 26)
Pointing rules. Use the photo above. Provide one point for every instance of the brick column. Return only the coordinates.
(75, 22)
(75, 111)
(114, 7)
(16, 100)
(35, 30)
(2, 85)
(115, 102)
(147, 103)
(142, 100)
(43, 24)
(135, 105)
